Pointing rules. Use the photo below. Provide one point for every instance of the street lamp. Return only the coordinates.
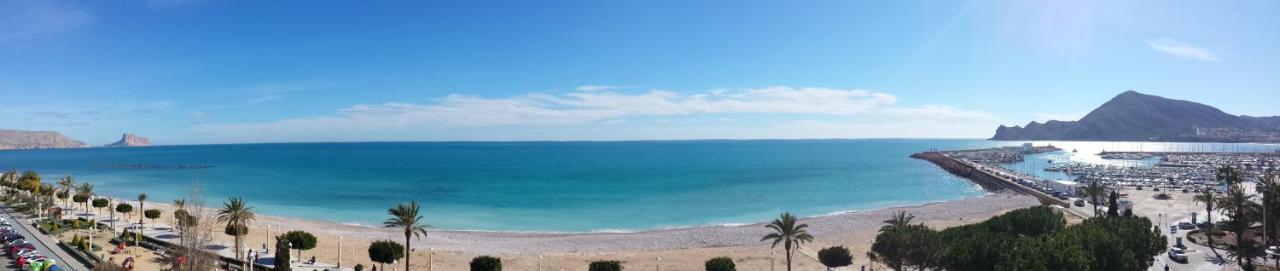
(339, 252)
(539, 262)
(658, 266)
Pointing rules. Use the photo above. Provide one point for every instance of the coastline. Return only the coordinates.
(679, 247)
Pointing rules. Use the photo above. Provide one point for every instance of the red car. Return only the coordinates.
(15, 249)
(22, 261)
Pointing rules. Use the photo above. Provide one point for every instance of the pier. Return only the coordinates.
(990, 178)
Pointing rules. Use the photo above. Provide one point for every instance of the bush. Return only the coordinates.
(486, 263)
(834, 257)
(605, 266)
(720, 264)
(359, 267)
(282, 253)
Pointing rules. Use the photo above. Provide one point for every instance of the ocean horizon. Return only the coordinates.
(542, 186)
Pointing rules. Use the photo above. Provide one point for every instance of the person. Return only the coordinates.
(313, 260)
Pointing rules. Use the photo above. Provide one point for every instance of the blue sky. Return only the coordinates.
(191, 72)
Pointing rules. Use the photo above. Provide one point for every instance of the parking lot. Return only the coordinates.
(43, 245)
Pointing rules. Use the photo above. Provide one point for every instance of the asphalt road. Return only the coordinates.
(45, 244)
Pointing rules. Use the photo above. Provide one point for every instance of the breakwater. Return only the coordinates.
(991, 179)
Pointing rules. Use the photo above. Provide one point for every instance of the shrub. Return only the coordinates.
(359, 267)
(720, 264)
(486, 263)
(282, 253)
(834, 257)
(605, 266)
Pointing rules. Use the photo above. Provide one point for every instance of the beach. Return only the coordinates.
(679, 249)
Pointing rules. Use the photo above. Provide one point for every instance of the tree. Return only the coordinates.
(80, 198)
(152, 214)
(142, 201)
(835, 257)
(85, 189)
(65, 184)
(1246, 251)
(237, 214)
(720, 264)
(282, 253)
(100, 203)
(486, 263)
(1209, 198)
(1112, 201)
(385, 252)
(1094, 190)
(300, 240)
(605, 266)
(1269, 187)
(125, 208)
(1237, 205)
(405, 216)
(788, 233)
(901, 247)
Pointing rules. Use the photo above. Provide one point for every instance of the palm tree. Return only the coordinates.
(1236, 205)
(237, 215)
(142, 226)
(1208, 197)
(789, 234)
(899, 220)
(87, 190)
(405, 215)
(1094, 190)
(66, 183)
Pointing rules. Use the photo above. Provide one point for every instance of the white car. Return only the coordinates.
(1177, 255)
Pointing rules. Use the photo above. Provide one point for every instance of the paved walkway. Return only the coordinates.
(43, 243)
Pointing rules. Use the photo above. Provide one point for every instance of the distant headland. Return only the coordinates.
(23, 140)
(1133, 116)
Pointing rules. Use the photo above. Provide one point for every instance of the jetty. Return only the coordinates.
(990, 178)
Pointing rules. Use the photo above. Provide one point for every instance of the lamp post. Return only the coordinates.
(658, 266)
(269, 237)
(339, 252)
(539, 262)
(771, 255)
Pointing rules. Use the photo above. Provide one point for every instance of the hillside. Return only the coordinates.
(16, 139)
(1133, 116)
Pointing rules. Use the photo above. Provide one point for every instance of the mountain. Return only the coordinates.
(1133, 116)
(130, 140)
(16, 139)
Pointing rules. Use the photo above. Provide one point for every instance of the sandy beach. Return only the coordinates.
(679, 249)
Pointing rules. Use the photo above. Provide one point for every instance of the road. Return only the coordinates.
(43, 243)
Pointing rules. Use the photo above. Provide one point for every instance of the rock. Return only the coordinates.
(130, 140)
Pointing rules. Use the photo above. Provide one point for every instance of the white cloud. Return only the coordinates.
(1180, 49)
(22, 20)
(601, 109)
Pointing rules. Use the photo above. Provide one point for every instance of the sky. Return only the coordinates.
(221, 71)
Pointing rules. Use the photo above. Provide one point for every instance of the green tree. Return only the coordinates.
(1237, 205)
(788, 233)
(486, 263)
(835, 257)
(237, 214)
(300, 240)
(1209, 198)
(1094, 190)
(85, 189)
(405, 217)
(1113, 209)
(720, 264)
(125, 208)
(65, 184)
(152, 214)
(80, 198)
(1269, 186)
(282, 253)
(605, 266)
(100, 203)
(385, 252)
(142, 201)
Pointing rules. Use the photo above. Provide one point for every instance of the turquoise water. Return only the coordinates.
(530, 186)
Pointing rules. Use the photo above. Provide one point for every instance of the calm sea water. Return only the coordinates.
(531, 186)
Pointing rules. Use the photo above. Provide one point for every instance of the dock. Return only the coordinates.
(990, 178)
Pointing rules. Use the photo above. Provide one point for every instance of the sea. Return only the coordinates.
(548, 186)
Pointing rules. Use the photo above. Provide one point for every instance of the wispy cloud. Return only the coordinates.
(602, 108)
(599, 87)
(23, 20)
(1180, 49)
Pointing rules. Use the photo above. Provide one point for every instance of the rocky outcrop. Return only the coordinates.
(17, 140)
(1133, 116)
(130, 140)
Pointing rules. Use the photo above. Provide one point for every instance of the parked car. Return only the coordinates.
(1186, 225)
(1177, 255)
